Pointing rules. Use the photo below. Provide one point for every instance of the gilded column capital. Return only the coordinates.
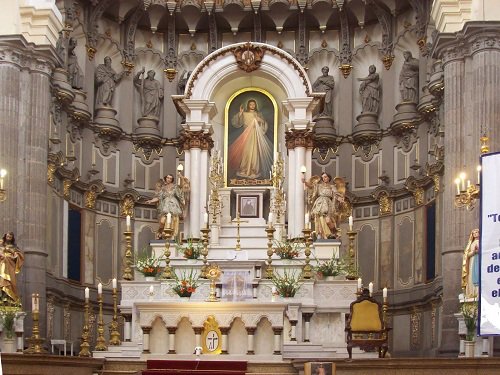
(385, 201)
(299, 138)
(195, 139)
(91, 194)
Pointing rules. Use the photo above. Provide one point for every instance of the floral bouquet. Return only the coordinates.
(148, 265)
(287, 284)
(469, 312)
(186, 283)
(331, 267)
(287, 249)
(8, 313)
(191, 250)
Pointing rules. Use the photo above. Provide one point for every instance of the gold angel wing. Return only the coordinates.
(312, 191)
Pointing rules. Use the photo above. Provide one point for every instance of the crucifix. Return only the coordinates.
(238, 220)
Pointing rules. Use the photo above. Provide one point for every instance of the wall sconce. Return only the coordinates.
(3, 193)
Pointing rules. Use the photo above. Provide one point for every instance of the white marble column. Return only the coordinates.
(195, 208)
(224, 332)
(291, 203)
(197, 335)
(300, 160)
(145, 339)
(277, 340)
(171, 339)
(187, 173)
(250, 340)
(203, 167)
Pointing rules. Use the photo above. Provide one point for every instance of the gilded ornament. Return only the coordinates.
(248, 57)
(436, 179)
(418, 195)
(127, 206)
(51, 169)
(385, 204)
(66, 188)
(387, 61)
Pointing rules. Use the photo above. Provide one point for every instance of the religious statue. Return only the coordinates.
(181, 86)
(370, 91)
(326, 84)
(172, 201)
(251, 153)
(11, 261)
(151, 93)
(470, 266)
(326, 199)
(74, 70)
(408, 79)
(106, 79)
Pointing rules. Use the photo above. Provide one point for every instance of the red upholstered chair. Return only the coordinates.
(366, 327)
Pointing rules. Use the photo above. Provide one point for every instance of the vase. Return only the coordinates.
(8, 345)
(185, 294)
(149, 278)
(329, 278)
(469, 348)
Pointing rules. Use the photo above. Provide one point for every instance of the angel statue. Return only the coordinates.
(172, 200)
(327, 199)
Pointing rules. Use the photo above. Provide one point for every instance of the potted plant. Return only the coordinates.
(328, 269)
(469, 313)
(190, 250)
(287, 249)
(148, 265)
(8, 313)
(186, 283)
(287, 284)
(349, 268)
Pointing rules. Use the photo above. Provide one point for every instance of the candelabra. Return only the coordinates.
(3, 192)
(128, 261)
(270, 234)
(238, 239)
(213, 274)
(215, 179)
(113, 327)
(307, 269)
(85, 346)
(204, 252)
(101, 341)
(35, 341)
(167, 234)
(352, 254)
(467, 195)
(278, 203)
(385, 307)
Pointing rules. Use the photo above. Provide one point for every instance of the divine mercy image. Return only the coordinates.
(250, 139)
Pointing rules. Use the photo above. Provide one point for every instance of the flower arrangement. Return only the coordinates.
(186, 283)
(8, 311)
(148, 265)
(287, 249)
(469, 312)
(287, 284)
(190, 250)
(331, 267)
(349, 268)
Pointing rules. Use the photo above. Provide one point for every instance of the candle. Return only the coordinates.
(478, 174)
(303, 169)
(270, 220)
(457, 182)
(462, 178)
(384, 292)
(306, 219)
(128, 223)
(274, 290)
(114, 284)
(87, 293)
(350, 223)
(33, 302)
(180, 168)
(169, 219)
(370, 288)
(151, 289)
(360, 283)
(99, 288)
(205, 218)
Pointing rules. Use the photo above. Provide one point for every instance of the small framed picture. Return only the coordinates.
(319, 368)
(249, 206)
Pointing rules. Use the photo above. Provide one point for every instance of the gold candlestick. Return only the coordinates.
(213, 274)
(35, 341)
(352, 253)
(270, 235)
(101, 341)
(128, 272)
(113, 327)
(167, 271)
(307, 269)
(205, 233)
(85, 346)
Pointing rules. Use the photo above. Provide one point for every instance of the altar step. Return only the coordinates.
(198, 367)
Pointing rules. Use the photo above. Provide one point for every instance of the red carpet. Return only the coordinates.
(201, 367)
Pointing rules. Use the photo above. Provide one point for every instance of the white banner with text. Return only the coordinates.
(489, 313)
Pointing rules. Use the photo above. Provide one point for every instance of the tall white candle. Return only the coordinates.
(370, 288)
(462, 179)
(114, 284)
(87, 293)
(360, 283)
(478, 174)
(99, 288)
(128, 223)
(303, 169)
(33, 302)
(306, 219)
(205, 218)
(169, 219)
(384, 292)
(350, 223)
(151, 290)
(270, 220)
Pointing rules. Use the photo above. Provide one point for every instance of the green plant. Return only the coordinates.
(469, 312)
(147, 264)
(186, 283)
(349, 268)
(8, 311)
(287, 249)
(288, 283)
(330, 267)
(190, 250)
